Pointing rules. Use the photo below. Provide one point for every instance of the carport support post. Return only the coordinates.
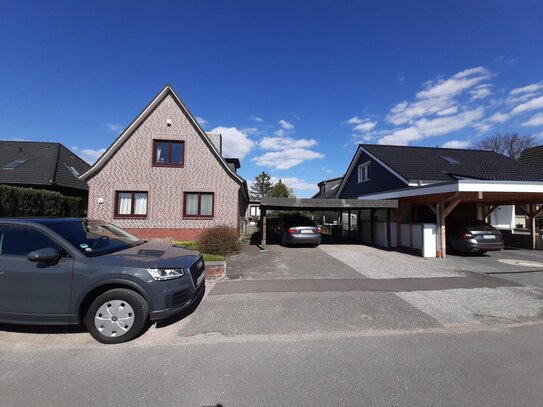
(263, 214)
(372, 227)
(349, 223)
(359, 224)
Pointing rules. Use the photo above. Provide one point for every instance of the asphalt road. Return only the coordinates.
(519, 265)
(500, 367)
(347, 326)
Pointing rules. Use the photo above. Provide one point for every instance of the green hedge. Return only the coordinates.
(15, 201)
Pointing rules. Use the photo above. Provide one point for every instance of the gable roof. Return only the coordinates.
(331, 187)
(126, 133)
(429, 164)
(47, 165)
(532, 156)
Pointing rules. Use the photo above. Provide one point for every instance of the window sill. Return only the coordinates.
(129, 217)
(169, 165)
(198, 217)
(366, 180)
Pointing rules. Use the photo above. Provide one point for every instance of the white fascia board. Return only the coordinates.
(349, 171)
(500, 186)
(418, 191)
(462, 186)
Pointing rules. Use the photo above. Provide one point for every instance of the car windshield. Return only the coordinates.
(95, 238)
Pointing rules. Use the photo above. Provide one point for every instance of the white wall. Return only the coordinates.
(503, 217)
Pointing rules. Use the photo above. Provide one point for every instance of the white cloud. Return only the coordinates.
(326, 170)
(533, 104)
(355, 120)
(18, 139)
(534, 87)
(535, 120)
(286, 125)
(499, 117)
(448, 111)
(283, 143)
(90, 155)
(115, 127)
(445, 125)
(432, 127)
(296, 184)
(438, 96)
(279, 133)
(235, 143)
(401, 137)
(365, 126)
(256, 119)
(455, 85)
(481, 91)
(456, 144)
(201, 121)
(283, 160)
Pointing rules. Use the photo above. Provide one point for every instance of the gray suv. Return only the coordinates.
(61, 271)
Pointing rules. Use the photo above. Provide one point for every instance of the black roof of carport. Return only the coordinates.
(326, 204)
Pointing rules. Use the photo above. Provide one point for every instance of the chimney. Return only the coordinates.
(216, 139)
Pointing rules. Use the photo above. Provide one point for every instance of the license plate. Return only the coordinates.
(200, 279)
(306, 231)
(489, 236)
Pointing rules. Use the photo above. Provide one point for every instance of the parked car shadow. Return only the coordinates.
(43, 329)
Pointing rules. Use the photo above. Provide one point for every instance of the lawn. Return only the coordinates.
(193, 245)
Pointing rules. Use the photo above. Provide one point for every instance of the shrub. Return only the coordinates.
(15, 201)
(220, 240)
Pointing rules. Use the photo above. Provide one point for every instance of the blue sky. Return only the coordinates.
(293, 86)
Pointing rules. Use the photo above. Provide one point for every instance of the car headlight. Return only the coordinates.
(166, 274)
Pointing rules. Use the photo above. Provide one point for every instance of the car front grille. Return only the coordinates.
(177, 299)
(197, 269)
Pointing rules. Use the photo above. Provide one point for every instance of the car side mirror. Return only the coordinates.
(47, 255)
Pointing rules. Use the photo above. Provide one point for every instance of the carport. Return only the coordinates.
(443, 198)
(340, 205)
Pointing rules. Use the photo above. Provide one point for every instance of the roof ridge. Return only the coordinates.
(426, 147)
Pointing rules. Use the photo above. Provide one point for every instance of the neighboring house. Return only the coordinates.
(532, 156)
(165, 177)
(254, 211)
(38, 165)
(435, 185)
(328, 190)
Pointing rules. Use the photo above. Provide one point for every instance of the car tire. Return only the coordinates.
(116, 316)
(284, 241)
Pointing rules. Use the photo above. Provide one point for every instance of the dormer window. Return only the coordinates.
(14, 164)
(168, 153)
(364, 172)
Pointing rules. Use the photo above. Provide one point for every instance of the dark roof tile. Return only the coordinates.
(437, 164)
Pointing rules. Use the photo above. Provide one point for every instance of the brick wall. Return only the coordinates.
(130, 169)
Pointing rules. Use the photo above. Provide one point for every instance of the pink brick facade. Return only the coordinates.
(130, 169)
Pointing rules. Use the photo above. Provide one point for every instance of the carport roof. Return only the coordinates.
(326, 204)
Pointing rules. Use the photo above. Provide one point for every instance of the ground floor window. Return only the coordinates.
(131, 204)
(199, 204)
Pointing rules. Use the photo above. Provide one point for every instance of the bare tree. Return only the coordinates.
(508, 144)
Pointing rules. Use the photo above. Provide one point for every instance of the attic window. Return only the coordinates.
(450, 160)
(14, 164)
(72, 170)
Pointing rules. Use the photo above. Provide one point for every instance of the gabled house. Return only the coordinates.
(532, 156)
(435, 185)
(328, 188)
(165, 177)
(40, 165)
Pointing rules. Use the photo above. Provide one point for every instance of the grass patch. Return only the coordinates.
(193, 245)
(213, 257)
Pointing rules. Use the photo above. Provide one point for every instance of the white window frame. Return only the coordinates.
(363, 172)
